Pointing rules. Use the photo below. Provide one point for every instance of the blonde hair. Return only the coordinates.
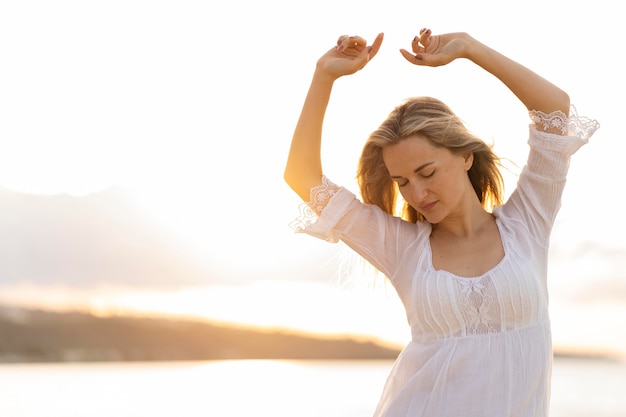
(431, 118)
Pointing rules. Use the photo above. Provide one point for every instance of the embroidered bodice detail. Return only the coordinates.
(580, 126)
(477, 308)
(319, 197)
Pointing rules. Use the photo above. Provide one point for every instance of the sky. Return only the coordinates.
(190, 107)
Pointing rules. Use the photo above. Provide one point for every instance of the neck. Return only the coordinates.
(467, 224)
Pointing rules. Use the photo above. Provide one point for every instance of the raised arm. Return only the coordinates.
(535, 92)
(304, 167)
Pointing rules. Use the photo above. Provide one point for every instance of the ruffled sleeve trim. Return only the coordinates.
(574, 125)
(581, 126)
(319, 196)
(320, 214)
(576, 132)
(323, 225)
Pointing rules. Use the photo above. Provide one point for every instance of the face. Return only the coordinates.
(431, 179)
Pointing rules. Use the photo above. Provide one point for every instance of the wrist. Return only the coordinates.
(473, 48)
(323, 77)
(480, 54)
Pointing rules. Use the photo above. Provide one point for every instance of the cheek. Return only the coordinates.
(449, 184)
(405, 194)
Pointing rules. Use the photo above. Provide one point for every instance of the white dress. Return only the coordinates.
(481, 346)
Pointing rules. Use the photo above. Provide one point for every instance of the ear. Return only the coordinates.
(469, 160)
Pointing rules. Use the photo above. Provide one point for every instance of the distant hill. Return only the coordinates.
(40, 336)
(44, 336)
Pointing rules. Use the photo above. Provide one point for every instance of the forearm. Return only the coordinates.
(304, 167)
(535, 92)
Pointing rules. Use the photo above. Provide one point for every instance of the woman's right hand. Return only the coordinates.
(349, 56)
(304, 166)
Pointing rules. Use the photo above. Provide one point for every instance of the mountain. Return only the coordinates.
(98, 238)
(40, 336)
(45, 336)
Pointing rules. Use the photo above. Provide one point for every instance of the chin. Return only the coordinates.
(433, 217)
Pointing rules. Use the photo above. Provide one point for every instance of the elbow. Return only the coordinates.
(551, 99)
(293, 181)
(563, 101)
(289, 177)
(301, 182)
(555, 104)
(556, 100)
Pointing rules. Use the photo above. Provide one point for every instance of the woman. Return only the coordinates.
(470, 272)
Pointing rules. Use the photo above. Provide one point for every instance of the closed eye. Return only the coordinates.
(403, 181)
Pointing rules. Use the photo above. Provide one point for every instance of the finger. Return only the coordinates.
(351, 42)
(341, 39)
(373, 49)
(425, 37)
(343, 42)
(415, 59)
(415, 45)
(358, 41)
(369, 52)
(421, 42)
(433, 60)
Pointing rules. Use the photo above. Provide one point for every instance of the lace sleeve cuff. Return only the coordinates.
(321, 194)
(311, 210)
(573, 125)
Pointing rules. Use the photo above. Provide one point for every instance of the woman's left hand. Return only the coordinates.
(435, 51)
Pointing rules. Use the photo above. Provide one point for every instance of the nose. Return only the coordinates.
(415, 193)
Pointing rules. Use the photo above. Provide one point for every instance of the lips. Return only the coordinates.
(427, 207)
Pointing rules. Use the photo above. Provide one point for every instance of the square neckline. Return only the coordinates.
(489, 271)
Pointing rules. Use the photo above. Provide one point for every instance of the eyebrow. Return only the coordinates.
(416, 170)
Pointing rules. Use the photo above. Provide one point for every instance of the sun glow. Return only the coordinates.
(296, 306)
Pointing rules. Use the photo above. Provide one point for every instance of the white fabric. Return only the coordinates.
(480, 346)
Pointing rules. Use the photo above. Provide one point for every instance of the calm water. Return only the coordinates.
(258, 388)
